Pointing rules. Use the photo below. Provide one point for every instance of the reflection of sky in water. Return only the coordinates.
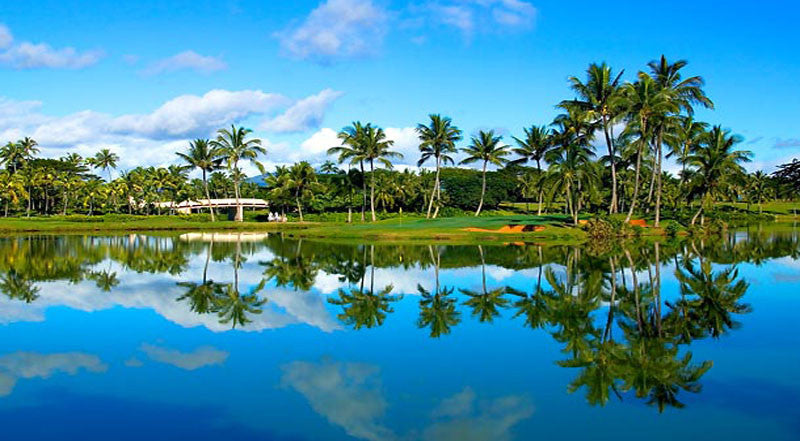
(133, 363)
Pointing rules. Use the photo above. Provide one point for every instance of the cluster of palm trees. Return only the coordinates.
(66, 184)
(604, 152)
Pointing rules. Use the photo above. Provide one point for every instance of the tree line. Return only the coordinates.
(604, 153)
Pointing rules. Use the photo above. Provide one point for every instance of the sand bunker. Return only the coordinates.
(508, 229)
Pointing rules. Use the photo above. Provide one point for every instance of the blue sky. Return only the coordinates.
(144, 78)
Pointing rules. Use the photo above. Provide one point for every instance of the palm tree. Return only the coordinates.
(644, 101)
(233, 146)
(329, 168)
(759, 182)
(377, 149)
(12, 189)
(485, 147)
(600, 98)
(11, 156)
(716, 160)
(354, 151)
(571, 168)
(684, 140)
(685, 92)
(438, 141)
(302, 183)
(106, 160)
(535, 147)
(201, 155)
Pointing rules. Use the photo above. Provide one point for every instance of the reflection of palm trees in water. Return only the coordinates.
(485, 304)
(202, 297)
(438, 310)
(532, 306)
(226, 300)
(299, 271)
(365, 308)
(708, 299)
(17, 287)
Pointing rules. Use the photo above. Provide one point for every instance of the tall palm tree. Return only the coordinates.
(600, 98)
(537, 143)
(234, 146)
(377, 149)
(106, 160)
(485, 147)
(438, 141)
(685, 92)
(354, 151)
(203, 156)
(716, 160)
(644, 101)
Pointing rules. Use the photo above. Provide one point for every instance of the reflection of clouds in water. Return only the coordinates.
(491, 422)
(349, 395)
(200, 357)
(24, 365)
(159, 292)
(788, 270)
(346, 394)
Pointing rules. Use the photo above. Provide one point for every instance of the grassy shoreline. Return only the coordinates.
(453, 230)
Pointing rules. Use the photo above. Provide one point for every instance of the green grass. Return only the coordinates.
(405, 228)
(123, 223)
(411, 228)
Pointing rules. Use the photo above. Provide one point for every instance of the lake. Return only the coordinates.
(247, 336)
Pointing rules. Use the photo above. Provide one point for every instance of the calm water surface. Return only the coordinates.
(254, 337)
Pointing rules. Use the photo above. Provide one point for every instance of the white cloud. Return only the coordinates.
(335, 30)
(26, 365)
(27, 55)
(305, 114)
(346, 394)
(406, 142)
(470, 16)
(153, 138)
(187, 60)
(200, 357)
(192, 115)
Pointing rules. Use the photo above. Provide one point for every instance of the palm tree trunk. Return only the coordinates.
(696, 215)
(372, 188)
(299, 207)
(483, 190)
(433, 193)
(635, 183)
(239, 215)
(658, 179)
(364, 192)
(208, 196)
(438, 190)
(652, 180)
(612, 208)
(541, 186)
